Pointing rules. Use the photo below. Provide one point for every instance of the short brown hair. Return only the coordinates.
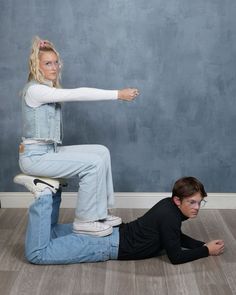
(188, 186)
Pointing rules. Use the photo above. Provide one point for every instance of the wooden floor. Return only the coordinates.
(212, 275)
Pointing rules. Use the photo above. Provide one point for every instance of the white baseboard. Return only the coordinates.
(122, 200)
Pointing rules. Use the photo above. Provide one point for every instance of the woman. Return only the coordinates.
(40, 150)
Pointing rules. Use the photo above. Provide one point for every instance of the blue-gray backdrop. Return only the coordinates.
(181, 54)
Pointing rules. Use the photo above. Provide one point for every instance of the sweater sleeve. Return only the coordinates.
(171, 239)
(190, 243)
(41, 94)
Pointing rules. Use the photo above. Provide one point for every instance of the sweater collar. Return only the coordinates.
(183, 217)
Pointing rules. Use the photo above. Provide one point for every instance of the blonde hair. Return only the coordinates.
(38, 46)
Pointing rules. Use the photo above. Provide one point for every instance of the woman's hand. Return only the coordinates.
(215, 247)
(128, 93)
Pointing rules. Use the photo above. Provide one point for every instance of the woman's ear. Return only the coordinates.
(177, 201)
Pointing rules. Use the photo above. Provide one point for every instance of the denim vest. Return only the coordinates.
(41, 123)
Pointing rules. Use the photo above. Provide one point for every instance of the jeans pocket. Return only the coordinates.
(32, 153)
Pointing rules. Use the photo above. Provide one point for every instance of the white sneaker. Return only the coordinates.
(94, 228)
(112, 220)
(37, 184)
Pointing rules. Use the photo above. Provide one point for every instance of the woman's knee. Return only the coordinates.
(105, 154)
(102, 149)
(99, 164)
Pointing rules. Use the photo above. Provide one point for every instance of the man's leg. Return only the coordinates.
(55, 207)
(67, 247)
(71, 248)
(58, 230)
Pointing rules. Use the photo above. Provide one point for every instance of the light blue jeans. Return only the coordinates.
(91, 164)
(48, 242)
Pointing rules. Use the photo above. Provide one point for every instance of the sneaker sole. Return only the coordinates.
(102, 233)
(112, 223)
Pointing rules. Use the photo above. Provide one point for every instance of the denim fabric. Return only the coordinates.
(48, 242)
(91, 164)
(43, 122)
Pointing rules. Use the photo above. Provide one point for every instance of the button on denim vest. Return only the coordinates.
(43, 122)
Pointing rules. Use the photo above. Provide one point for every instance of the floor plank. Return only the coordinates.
(90, 278)
(7, 279)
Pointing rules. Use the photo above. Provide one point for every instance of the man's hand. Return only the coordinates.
(215, 247)
(128, 93)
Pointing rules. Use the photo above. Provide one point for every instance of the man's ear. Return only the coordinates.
(177, 201)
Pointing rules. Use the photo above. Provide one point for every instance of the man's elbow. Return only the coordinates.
(176, 259)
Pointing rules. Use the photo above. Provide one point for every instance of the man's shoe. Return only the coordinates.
(37, 184)
(112, 220)
(94, 228)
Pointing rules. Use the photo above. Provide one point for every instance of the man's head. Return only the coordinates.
(188, 194)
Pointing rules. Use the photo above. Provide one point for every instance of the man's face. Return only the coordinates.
(190, 206)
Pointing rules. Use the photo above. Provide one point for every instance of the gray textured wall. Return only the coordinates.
(181, 54)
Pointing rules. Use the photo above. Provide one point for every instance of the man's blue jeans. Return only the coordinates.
(48, 242)
(91, 164)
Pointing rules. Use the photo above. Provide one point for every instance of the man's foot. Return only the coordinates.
(112, 220)
(37, 184)
(94, 228)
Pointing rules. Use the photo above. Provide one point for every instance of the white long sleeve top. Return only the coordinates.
(39, 94)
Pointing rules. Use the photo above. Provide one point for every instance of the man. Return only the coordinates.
(160, 228)
(48, 242)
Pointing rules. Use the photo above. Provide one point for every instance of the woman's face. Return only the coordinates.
(49, 65)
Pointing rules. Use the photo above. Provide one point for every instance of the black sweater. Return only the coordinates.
(159, 229)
